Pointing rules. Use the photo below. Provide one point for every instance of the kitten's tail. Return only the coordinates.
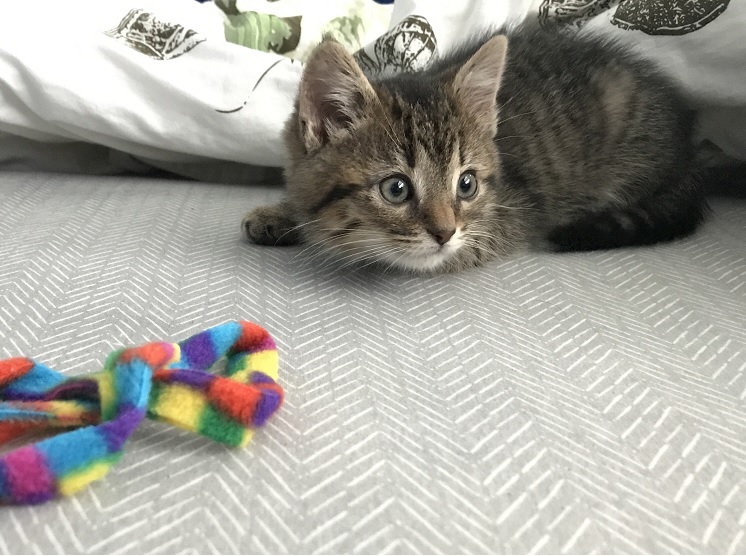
(671, 213)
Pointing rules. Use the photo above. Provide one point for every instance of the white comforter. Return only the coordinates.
(99, 86)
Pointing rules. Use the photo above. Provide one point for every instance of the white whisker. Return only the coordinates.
(294, 228)
(499, 121)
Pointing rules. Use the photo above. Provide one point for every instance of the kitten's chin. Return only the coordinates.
(422, 263)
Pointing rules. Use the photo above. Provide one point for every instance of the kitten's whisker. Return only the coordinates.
(294, 228)
(316, 246)
(481, 221)
(390, 132)
(394, 263)
(514, 208)
(338, 229)
(511, 137)
(359, 254)
(489, 237)
(499, 121)
(374, 261)
(320, 244)
(371, 254)
(504, 104)
(356, 242)
(364, 252)
(477, 233)
(389, 129)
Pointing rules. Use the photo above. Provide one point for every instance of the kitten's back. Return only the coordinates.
(588, 130)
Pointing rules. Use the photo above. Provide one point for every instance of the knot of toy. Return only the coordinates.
(167, 382)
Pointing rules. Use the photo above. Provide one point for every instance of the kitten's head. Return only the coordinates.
(405, 171)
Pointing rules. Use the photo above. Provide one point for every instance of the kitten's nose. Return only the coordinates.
(442, 235)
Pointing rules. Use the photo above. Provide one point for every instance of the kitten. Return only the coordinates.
(522, 139)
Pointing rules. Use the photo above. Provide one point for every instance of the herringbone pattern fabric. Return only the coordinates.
(574, 403)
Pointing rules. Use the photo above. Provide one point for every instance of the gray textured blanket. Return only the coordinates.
(574, 403)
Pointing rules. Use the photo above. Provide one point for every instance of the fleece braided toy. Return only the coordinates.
(166, 382)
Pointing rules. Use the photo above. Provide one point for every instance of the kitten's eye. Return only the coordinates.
(396, 190)
(467, 185)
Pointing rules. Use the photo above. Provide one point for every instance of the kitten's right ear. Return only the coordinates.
(333, 96)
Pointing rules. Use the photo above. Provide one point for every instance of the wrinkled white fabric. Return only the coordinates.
(63, 79)
(78, 92)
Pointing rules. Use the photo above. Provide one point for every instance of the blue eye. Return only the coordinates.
(467, 185)
(395, 190)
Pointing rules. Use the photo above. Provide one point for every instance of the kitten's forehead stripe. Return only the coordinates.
(409, 140)
(426, 119)
(436, 142)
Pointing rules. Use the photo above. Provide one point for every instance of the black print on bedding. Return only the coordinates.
(407, 47)
(572, 12)
(667, 17)
(146, 34)
(653, 17)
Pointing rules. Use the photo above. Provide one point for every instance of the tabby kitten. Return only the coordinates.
(523, 139)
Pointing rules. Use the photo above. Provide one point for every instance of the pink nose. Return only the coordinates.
(443, 235)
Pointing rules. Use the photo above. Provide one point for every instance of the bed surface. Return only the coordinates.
(551, 403)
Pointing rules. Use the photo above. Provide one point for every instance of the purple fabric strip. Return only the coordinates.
(258, 377)
(267, 405)
(198, 351)
(87, 389)
(117, 431)
(19, 396)
(196, 379)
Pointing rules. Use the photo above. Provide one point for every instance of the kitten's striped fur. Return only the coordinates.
(592, 151)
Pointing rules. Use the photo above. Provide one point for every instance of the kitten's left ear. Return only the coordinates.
(477, 82)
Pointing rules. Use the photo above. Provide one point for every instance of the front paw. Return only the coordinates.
(272, 225)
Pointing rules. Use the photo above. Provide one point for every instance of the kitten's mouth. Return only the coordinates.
(428, 257)
(423, 256)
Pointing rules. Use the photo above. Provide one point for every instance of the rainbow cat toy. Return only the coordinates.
(163, 381)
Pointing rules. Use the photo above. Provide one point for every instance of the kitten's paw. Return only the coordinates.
(272, 225)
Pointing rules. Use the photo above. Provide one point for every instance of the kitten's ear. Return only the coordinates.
(333, 96)
(477, 82)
